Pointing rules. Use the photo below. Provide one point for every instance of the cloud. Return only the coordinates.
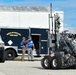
(71, 25)
(66, 25)
(71, 30)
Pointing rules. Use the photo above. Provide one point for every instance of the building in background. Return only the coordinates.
(18, 21)
(24, 17)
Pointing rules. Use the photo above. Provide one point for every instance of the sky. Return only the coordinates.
(67, 6)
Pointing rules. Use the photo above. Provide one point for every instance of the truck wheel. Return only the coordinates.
(45, 62)
(56, 62)
(10, 54)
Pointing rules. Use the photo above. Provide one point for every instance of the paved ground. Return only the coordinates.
(30, 68)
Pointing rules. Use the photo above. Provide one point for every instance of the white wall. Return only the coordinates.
(34, 19)
(9, 19)
(28, 19)
(24, 19)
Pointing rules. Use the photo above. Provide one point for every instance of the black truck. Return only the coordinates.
(63, 53)
(64, 56)
(12, 38)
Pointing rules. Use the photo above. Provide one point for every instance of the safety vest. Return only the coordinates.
(30, 43)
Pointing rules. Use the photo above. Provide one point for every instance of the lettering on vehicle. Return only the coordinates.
(13, 34)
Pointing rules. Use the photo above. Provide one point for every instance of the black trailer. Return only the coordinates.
(13, 36)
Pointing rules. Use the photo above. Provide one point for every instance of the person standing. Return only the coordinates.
(23, 46)
(30, 46)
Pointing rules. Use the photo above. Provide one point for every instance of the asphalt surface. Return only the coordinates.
(18, 67)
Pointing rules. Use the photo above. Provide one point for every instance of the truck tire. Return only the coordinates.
(10, 54)
(45, 62)
(56, 62)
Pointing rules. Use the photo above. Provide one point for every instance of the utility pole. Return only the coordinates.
(50, 18)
